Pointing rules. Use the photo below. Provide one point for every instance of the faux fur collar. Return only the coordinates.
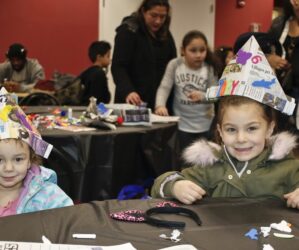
(204, 152)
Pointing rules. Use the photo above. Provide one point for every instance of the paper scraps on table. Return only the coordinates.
(267, 247)
(283, 226)
(252, 234)
(174, 236)
(265, 231)
(285, 236)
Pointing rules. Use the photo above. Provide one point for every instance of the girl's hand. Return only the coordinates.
(196, 96)
(133, 98)
(187, 192)
(293, 198)
(161, 111)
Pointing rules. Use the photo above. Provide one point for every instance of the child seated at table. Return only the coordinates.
(248, 160)
(24, 185)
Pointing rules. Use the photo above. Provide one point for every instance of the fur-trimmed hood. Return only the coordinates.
(206, 153)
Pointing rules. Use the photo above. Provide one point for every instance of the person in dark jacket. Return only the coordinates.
(285, 28)
(94, 78)
(143, 47)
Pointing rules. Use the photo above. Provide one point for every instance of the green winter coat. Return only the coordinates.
(274, 172)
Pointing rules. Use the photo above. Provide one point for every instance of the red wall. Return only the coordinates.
(231, 21)
(56, 32)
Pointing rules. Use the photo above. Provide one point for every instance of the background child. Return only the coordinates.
(223, 55)
(190, 75)
(24, 185)
(94, 78)
(247, 161)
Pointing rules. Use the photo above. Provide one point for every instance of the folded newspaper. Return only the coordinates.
(18, 245)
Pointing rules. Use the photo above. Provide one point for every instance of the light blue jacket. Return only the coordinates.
(41, 191)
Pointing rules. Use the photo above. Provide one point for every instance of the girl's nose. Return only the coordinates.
(8, 166)
(241, 137)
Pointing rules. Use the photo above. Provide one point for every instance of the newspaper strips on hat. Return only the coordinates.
(14, 124)
(249, 74)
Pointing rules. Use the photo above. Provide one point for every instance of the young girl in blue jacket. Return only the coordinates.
(24, 185)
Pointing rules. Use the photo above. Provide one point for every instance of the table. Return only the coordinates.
(225, 221)
(97, 164)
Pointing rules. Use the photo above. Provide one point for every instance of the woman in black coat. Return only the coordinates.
(143, 47)
(285, 28)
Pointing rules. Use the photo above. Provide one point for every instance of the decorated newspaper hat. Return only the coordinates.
(15, 124)
(249, 74)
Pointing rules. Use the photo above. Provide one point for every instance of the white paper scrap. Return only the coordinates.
(283, 226)
(180, 247)
(267, 247)
(285, 236)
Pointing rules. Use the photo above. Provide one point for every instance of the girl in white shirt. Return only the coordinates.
(190, 75)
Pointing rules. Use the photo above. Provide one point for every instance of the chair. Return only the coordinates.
(39, 98)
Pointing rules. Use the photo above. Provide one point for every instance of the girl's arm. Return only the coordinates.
(166, 86)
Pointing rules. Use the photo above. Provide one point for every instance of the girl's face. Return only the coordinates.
(195, 53)
(14, 163)
(244, 130)
(155, 18)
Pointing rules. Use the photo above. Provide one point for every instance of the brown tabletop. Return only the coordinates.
(224, 224)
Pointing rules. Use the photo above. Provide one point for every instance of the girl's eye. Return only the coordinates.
(252, 128)
(19, 159)
(201, 50)
(230, 130)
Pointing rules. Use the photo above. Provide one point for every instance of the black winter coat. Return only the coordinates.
(139, 61)
(293, 79)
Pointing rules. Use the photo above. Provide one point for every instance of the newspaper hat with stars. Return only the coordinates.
(249, 74)
(14, 124)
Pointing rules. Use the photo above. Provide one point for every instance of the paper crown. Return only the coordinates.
(15, 124)
(249, 74)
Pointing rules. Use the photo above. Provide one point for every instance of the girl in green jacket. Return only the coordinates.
(247, 162)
